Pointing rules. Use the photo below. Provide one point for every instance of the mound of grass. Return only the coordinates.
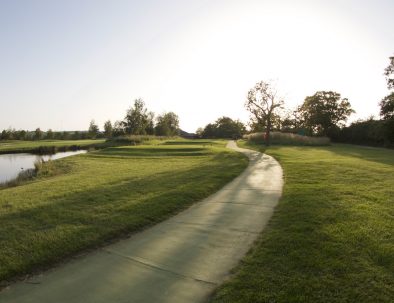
(105, 195)
(331, 238)
(278, 138)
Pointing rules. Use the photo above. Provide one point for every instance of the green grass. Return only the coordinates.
(104, 195)
(18, 146)
(331, 237)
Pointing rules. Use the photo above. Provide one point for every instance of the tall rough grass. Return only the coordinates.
(288, 139)
(41, 169)
(136, 140)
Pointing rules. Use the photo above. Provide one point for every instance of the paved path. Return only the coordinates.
(180, 260)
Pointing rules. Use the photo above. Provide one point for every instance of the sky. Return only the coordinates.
(64, 63)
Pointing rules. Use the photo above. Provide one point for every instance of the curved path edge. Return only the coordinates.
(182, 259)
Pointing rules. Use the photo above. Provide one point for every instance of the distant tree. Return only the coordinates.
(49, 134)
(167, 124)
(262, 102)
(83, 135)
(389, 73)
(118, 129)
(224, 127)
(8, 134)
(76, 135)
(38, 134)
(108, 129)
(292, 122)
(387, 107)
(65, 135)
(324, 112)
(209, 131)
(93, 130)
(199, 132)
(229, 128)
(137, 119)
(20, 134)
(150, 124)
(4, 135)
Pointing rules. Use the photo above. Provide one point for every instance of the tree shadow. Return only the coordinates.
(373, 154)
(40, 236)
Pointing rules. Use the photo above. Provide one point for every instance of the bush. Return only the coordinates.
(288, 139)
(370, 132)
(44, 168)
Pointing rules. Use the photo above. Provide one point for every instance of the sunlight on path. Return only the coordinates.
(182, 259)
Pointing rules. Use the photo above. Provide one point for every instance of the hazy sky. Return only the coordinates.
(63, 63)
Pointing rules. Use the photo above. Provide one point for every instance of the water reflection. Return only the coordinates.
(12, 164)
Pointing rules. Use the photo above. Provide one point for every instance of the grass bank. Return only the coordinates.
(331, 238)
(104, 195)
(48, 146)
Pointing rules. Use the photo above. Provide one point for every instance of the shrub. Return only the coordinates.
(44, 168)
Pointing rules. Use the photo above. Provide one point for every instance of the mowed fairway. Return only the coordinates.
(331, 238)
(104, 195)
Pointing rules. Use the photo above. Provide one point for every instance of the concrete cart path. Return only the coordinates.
(182, 259)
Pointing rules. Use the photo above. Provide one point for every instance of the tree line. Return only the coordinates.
(371, 131)
(319, 115)
(322, 114)
(138, 121)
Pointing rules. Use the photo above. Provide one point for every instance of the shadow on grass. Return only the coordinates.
(374, 154)
(40, 236)
(329, 240)
(318, 250)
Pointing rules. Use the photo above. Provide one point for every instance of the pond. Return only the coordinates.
(12, 164)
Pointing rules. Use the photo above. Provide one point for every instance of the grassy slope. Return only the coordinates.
(106, 194)
(19, 146)
(331, 238)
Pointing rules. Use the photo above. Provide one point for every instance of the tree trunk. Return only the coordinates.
(267, 132)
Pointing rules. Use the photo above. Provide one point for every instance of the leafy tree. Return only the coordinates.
(49, 134)
(387, 107)
(224, 127)
(108, 129)
(150, 125)
(20, 134)
(389, 73)
(262, 102)
(138, 119)
(67, 135)
(199, 132)
(167, 124)
(76, 135)
(4, 135)
(209, 131)
(118, 129)
(229, 128)
(324, 112)
(38, 134)
(292, 122)
(93, 130)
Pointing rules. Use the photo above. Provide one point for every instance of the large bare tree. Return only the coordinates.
(263, 99)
